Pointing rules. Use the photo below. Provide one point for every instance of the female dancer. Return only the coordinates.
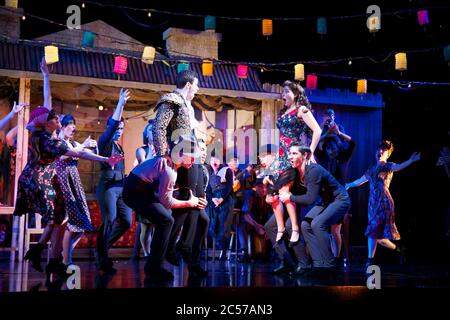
(297, 125)
(38, 189)
(144, 229)
(381, 226)
(75, 204)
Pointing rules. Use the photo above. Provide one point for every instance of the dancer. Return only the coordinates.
(334, 203)
(38, 188)
(75, 204)
(144, 230)
(381, 228)
(15, 110)
(149, 191)
(116, 216)
(297, 125)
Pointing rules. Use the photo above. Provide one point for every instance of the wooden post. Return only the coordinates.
(21, 160)
(269, 134)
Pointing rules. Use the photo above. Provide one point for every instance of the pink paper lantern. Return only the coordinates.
(242, 71)
(311, 82)
(120, 65)
(422, 15)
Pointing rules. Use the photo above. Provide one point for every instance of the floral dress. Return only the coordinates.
(75, 203)
(381, 221)
(39, 190)
(292, 130)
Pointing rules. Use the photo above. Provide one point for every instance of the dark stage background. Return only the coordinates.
(415, 120)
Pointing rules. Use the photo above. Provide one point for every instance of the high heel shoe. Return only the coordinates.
(294, 243)
(283, 237)
(34, 256)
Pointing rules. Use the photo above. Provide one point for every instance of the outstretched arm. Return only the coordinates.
(356, 183)
(16, 109)
(311, 122)
(414, 157)
(47, 92)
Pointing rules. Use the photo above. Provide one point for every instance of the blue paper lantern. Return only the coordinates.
(182, 66)
(88, 39)
(210, 23)
(322, 25)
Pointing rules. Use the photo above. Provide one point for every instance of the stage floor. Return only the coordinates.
(18, 277)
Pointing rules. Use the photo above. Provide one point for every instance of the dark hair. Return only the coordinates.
(299, 94)
(52, 115)
(329, 111)
(67, 119)
(184, 77)
(386, 145)
(303, 149)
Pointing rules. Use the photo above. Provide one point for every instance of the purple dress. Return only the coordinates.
(381, 220)
(39, 190)
(75, 203)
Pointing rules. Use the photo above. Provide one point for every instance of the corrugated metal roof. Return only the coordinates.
(27, 57)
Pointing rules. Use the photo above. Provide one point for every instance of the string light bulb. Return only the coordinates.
(83, 5)
(100, 107)
(149, 14)
(23, 17)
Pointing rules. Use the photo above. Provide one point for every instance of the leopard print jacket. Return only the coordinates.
(172, 120)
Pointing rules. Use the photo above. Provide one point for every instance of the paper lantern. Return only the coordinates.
(311, 82)
(88, 39)
(148, 56)
(400, 61)
(299, 72)
(422, 16)
(242, 71)
(182, 66)
(361, 86)
(120, 65)
(210, 23)
(447, 54)
(374, 24)
(267, 27)
(51, 54)
(322, 25)
(207, 68)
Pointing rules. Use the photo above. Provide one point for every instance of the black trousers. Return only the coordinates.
(139, 196)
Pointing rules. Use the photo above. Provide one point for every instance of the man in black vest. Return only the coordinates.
(116, 215)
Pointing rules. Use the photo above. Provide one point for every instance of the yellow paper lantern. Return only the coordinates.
(401, 63)
(374, 24)
(148, 56)
(51, 54)
(267, 27)
(361, 86)
(299, 72)
(207, 68)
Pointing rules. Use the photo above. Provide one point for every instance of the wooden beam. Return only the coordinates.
(137, 85)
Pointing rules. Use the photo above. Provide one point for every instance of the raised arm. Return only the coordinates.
(123, 98)
(311, 122)
(16, 109)
(356, 183)
(414, 157)
(47, 92)
(11, 137)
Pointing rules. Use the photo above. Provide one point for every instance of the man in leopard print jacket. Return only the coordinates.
(175, 115)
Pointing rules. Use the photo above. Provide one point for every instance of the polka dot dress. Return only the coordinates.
(76, 207)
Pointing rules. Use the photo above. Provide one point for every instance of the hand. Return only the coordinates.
(44, 67)
(267, 180)
(193, 201)
(285, 196)
(202, 203)
(89, 143)
(347, 186)
(415, 157)
(217, 201)
(114, 159)
(124, 96)
(313, 159)
(18, 107)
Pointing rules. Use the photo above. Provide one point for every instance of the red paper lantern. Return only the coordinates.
(311, 82)
(242, 71)
(422, 15)
(120, 65)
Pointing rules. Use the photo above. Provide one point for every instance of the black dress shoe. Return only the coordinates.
(294, 243)
(197, 271)
(34, 256)
(301, 271)
(282, 268)
(283, 237)
(159, 273)
(107, 270)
